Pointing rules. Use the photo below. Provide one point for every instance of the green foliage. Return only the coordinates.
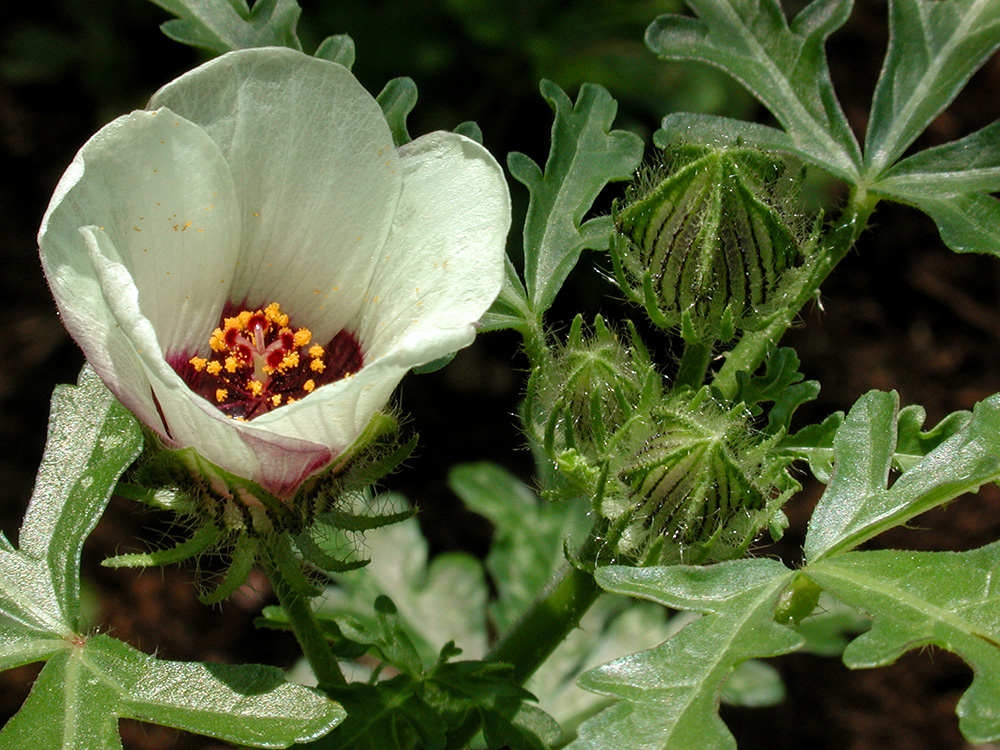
(224, 26)
(781, 384)
(585, 155)
(783, 64)
(89, 682)
(859, 503)
(934, 48)
(668, 696)
(948, 599)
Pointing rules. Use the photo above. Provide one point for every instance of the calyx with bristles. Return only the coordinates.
(708, 249)
(584, 392)
(692, 483)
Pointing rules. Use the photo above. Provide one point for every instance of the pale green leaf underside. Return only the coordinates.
(82, 692)
(669, 695)
(224, 26)
(91, 440)
(584, 156)
(783, 64)
(950, 599)
(438, 600)
(934, 48)
(859, 504)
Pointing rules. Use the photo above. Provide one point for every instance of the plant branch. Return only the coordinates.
(307, 631)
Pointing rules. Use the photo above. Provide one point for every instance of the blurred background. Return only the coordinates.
(901, 312)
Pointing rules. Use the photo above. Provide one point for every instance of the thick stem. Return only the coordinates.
(307, 631)
(694, 365)
(542, 628)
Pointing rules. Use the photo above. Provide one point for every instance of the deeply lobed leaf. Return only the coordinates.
(783, 64)
(669, 695)
(948, 599)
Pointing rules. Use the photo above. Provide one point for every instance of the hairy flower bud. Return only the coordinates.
(707, 248)
(584, 393)
(693, 483)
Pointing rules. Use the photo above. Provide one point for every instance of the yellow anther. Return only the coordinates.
(231, 364)
(302, 337)
(218, 340)
(255, 387)
(291, 360)
(276, 399)
(221, 394)
(214, 367)
(317, 365)
(316, 351)
(309, 386)
(198, 363)
(273, 313)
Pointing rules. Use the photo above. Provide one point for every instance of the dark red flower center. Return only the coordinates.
(259, 362)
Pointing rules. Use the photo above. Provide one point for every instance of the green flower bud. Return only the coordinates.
(693, 483)
(707, 249)
(582, 395)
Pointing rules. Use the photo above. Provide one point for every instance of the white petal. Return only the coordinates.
(160, 189)
(443, 263)
(441, 270)
(315, 171)
(279, 463)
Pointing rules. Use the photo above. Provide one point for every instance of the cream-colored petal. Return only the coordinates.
(279, 463)
(315, 170)
(158, 186)
(443, 261)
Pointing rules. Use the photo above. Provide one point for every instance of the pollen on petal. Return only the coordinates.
(309, 386)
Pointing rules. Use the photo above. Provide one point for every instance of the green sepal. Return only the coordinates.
(203, 539)
(397, 99)
(240, 563)
(338, 48)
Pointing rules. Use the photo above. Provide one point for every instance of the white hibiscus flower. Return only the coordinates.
(251, 265)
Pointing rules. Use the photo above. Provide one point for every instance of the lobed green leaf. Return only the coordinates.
(859, 503)
(934, 48)
(668, 696)
(948, 599)
(783, 64)
(585, 155)
(82, 692)
(224, 26)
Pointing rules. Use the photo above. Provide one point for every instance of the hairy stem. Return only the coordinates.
(542, 628)
(307, 631)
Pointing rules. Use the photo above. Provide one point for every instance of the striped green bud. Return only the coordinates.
(693, 483)
(707, 249)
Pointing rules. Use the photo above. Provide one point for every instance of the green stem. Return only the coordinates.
(750, 352)
(694, 365)
(307, 631)
(542, 628)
